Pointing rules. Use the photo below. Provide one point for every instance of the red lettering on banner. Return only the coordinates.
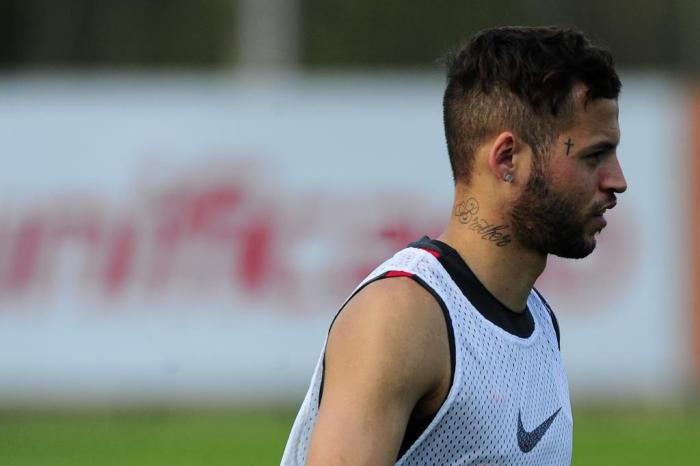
(26, 255)
(254, 263)
(399, 235)
(226, 238)
(207, 212)
(120, 258)
(217, 216)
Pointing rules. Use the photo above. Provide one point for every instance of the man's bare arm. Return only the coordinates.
(387, 354)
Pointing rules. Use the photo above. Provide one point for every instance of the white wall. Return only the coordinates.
(189, 239)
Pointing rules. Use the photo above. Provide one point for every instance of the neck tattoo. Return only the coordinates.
(467, 214)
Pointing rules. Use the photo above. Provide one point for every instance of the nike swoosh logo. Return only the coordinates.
(529, 440)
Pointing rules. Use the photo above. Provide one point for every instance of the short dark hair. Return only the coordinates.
(519, 79)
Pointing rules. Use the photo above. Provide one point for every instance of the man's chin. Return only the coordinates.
(575, 251)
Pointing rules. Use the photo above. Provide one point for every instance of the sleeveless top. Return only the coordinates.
(508, 404)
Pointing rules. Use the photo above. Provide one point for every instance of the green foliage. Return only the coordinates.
(392, 33)
(113, 33)
(332, 33)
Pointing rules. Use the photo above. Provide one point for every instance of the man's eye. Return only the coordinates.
(595, 156)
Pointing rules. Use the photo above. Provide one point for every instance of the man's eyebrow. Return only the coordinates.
(602, 146)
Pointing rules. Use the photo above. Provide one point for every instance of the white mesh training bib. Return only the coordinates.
(509, 401)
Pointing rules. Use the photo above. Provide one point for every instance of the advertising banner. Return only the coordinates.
(188, 240)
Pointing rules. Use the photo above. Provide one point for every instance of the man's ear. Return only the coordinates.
(503, 156)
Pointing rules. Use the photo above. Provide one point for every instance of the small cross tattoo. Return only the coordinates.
(568, 145)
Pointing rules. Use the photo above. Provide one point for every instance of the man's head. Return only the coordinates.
(544, 95)
(519, 79)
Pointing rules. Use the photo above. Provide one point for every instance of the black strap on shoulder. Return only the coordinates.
(555, 323)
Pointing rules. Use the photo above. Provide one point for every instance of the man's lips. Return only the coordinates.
(598, 213)
(600, 220)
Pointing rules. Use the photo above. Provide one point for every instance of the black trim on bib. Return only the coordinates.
(520, 324)
(555, 322)
(323, 366)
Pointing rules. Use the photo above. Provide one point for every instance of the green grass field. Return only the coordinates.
(256, 437)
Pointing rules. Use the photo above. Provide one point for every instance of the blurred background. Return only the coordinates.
(189, 190)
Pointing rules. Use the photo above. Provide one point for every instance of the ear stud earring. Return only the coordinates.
(508, 178)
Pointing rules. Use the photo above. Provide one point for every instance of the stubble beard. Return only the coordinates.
(550, 222)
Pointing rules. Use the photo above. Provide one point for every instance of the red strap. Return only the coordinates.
(434, 253)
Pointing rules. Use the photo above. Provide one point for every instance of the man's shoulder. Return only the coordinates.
(392, 301)
(395, 324)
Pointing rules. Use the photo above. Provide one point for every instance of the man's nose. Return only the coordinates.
(613, 179)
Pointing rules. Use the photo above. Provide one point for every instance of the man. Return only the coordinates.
(455, 359)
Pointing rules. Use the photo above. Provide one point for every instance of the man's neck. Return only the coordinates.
(505, 268)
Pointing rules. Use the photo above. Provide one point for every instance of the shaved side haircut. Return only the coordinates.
(519, 79)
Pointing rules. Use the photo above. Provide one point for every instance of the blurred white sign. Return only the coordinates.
(188, 240)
